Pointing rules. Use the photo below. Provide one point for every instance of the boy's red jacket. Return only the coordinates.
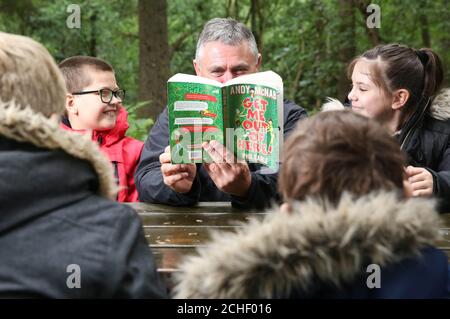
(123, 152)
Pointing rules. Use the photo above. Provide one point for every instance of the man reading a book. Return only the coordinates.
(226, 49)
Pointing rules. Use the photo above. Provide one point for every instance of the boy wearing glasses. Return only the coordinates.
(94, 106)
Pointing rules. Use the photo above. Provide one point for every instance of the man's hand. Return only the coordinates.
(421, 181)
(229, 175)
(178, 177)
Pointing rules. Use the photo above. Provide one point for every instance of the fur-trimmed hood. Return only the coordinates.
(24, 125)
(439, 108)
(271, 258)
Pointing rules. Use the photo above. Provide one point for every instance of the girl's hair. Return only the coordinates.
(400, 67)
(339, 151)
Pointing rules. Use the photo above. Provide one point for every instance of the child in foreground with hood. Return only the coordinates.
(348, 228)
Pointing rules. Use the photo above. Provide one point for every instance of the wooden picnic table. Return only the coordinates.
(444, 242)
(175, 232)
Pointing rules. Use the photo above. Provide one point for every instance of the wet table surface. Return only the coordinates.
(175, 232)
(444, 232)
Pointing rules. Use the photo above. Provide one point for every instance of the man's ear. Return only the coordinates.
(71, 106)
(196, 67)
(399, 99)
(259, 62)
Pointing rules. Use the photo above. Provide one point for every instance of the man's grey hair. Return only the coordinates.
(227, 31)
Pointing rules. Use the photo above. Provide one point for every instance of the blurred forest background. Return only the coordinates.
(307, 42)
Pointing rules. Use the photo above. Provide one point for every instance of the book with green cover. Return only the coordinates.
(245, 114)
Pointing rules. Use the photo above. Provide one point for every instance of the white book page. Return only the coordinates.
(189, 78)
(268, 78)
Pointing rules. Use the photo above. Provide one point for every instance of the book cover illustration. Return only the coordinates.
(242, 114)
(253, 118)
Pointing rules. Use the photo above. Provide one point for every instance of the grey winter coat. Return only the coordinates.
(60, 236)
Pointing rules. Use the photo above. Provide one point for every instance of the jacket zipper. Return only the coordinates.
(417, 122)
(116, 175)
(100, 139)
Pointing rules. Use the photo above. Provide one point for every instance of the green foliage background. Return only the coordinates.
(293, 44)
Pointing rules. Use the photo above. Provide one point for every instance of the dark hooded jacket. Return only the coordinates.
(426, 141)
(60, 236)
(372, 247)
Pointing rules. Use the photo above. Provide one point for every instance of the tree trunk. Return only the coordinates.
(93, 35)
(232, 9)
(372, 33)
(348, 49)
(153, 56)
(444, 40)
(426, 40)
(320, 22)
(257, 23)
(253, 15)
(424, 25)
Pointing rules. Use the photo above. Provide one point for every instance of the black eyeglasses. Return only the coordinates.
(106, 95)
